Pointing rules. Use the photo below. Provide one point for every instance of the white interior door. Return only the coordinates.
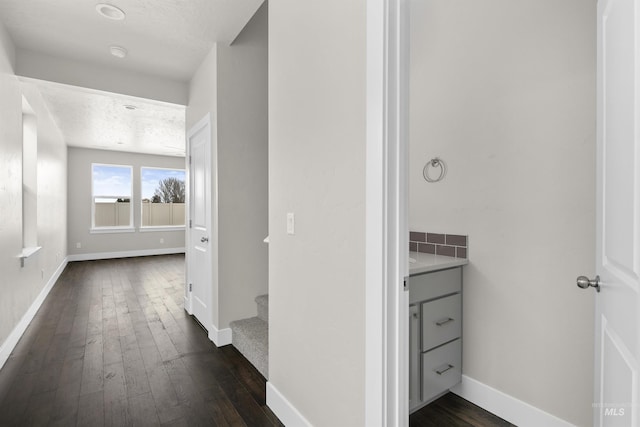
(199, 271)
(618, 216)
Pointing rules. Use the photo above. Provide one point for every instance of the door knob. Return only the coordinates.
(204, 239)
(584, 282)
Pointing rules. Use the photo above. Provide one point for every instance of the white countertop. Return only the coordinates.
(426, 263)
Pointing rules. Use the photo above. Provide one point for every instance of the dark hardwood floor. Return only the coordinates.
(453, 411)
(113, 346)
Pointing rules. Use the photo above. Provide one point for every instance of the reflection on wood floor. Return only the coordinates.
(112, 345)
(453, 411)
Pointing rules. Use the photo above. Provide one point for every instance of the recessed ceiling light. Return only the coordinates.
(120, 143)
(130, 107)
(118, 51)
(109, 11)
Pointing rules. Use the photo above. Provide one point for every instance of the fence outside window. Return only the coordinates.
(117, 214)
(162, 214)
(111, 213)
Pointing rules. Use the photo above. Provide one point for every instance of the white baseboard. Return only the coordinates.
(220, 337)
(125, 254)
(10, 343)
(507, 407)
(284, 410)
(187, 306)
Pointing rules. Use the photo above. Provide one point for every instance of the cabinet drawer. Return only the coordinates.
(441, 369)
(441, 321)
(435, 284)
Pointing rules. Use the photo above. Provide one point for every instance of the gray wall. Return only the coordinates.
(101, 77)
(317, 142)
(231, 86)
(242, 169)
(504, 92)
(79, 207)
(19, 286)
(203, 97)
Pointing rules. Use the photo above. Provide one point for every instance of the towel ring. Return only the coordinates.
(434, 163)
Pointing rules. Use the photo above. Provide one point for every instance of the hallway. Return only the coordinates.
(112, 345)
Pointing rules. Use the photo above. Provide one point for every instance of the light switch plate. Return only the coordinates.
(291, 223)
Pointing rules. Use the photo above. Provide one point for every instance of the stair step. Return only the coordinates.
(251, 338)
(263, 307)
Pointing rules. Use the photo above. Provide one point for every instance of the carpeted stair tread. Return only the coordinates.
(263, 307)
(251, 338)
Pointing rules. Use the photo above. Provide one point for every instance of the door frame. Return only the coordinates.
(386, 303)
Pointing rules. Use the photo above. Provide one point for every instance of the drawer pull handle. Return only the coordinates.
(444, 321)
(442, 371)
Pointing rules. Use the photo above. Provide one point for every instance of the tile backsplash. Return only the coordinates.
(453, 245)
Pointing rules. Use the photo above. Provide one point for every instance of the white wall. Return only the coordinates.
(242, 170)
(231, 86)
(20, 286)
(79, 220)
(317, 108)
(504, 92)
(75, 73)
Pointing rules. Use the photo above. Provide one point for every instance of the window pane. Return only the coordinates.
(163, 197)
(112, 186)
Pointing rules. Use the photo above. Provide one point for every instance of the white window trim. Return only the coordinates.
(112, 230)
(157, 228)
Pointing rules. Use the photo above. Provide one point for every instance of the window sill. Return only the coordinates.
(112, 230)
(162, 228)
(27, 253)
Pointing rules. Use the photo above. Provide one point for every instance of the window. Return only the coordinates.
(111, 191)
(163, 197)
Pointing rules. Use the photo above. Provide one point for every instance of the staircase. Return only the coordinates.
(251, 336)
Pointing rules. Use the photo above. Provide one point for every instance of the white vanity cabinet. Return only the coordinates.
(435, 334)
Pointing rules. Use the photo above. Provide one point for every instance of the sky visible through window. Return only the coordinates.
(151, 177)
(112, 181)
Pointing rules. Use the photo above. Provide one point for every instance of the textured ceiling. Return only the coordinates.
(93, 119)
(167, 38)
